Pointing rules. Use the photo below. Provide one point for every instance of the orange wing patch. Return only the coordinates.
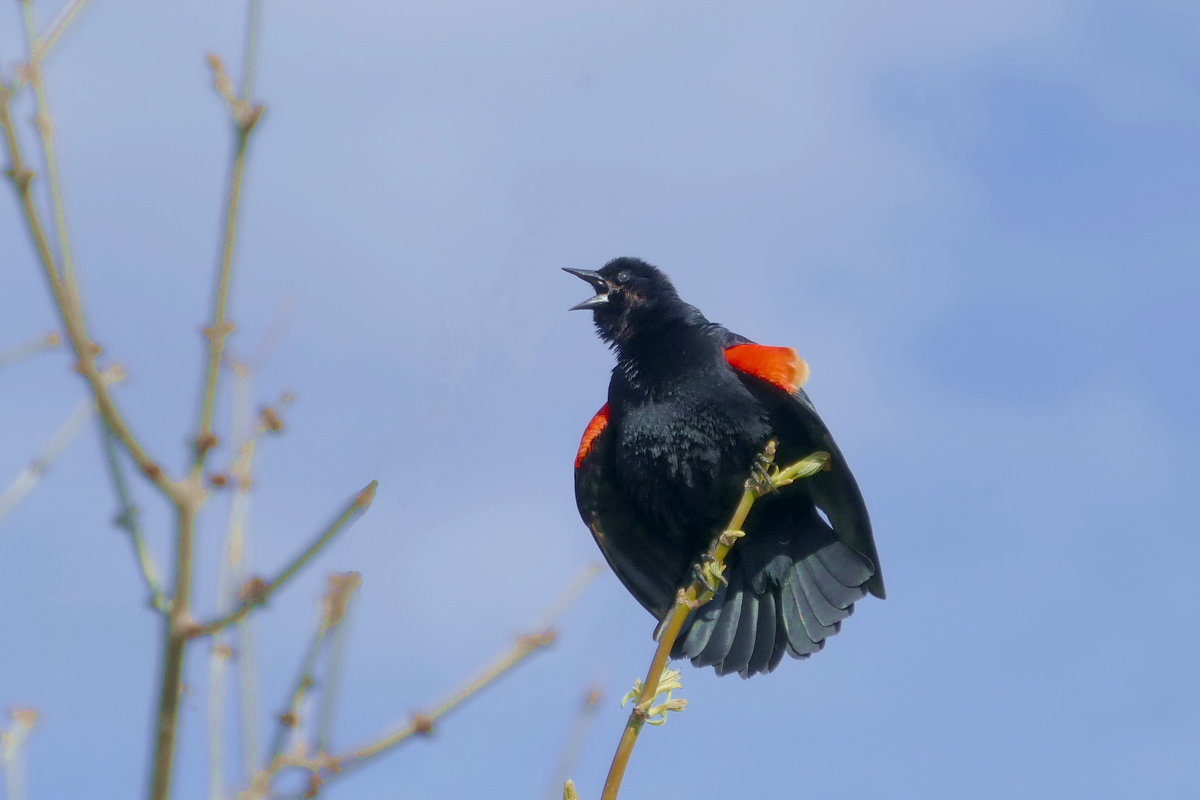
(590, 433)
(778, 365)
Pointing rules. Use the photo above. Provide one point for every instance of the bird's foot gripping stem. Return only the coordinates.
(710, 570)
(762, 476)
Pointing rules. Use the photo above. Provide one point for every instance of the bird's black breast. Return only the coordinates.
(683, 451)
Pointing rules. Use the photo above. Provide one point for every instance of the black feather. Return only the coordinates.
(661, 479)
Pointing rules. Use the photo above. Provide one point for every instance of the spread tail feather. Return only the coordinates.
(791, 604)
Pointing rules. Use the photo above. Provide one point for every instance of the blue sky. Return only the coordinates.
(977, 222)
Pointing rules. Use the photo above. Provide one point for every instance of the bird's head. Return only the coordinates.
(629, 293)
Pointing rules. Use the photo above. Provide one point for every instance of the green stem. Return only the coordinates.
(259, 596)
(175, 639)
(289, 720)
(688, 600)
(128, 520)
(219, 328)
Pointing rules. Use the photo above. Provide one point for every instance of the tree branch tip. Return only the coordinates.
(342, 586)
(52, 339)
(205, 442)
(364, 498)
(569, 792)
(24, 717)
(270, 420)
(218, 480)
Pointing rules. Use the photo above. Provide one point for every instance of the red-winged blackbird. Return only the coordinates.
(661, 466)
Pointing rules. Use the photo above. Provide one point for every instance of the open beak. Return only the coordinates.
(598, 283)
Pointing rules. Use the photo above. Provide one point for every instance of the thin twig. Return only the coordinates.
(66, 302)
(257, 592)
(250, 53)
(218, 667)
(692, 597)
(289, 720)
(231, 573)
(325, 767)
(331, 687)
(334, 603)
(181, 627)
(246, 119)
(573, 746)
(128, 519)
(518, 652)
(335, 608)
(12, 742)
(54, 31)
(186, 496)
(45, 128)
(248, 705)
(23, 351)
(31, 474)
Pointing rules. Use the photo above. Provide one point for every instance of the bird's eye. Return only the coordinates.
(623, 276)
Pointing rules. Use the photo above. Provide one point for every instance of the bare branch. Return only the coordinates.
(334, 603)
(246, 119)
(21, 352)
(573, 744)
(66, 302)
(29, 476)
(521, 649)
(257, 591)
(12, 742)
(128, 520)
(54, 31)
(325, 767)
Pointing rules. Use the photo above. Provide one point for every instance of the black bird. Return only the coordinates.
(661, 466)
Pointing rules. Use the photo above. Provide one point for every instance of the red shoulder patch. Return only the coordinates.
(590, 433)
(778, 365)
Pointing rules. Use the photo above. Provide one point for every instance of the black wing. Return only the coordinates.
(643, 560)
(801, 431)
